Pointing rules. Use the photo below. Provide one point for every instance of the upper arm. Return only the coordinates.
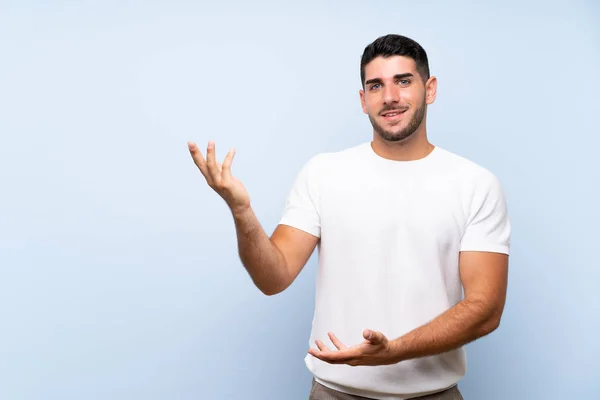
(484, 276)
(483, 260)
(296, 246)
(299, 228)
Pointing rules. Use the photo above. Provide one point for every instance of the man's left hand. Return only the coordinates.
(375, 350)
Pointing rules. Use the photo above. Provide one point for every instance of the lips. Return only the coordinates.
(393, 115)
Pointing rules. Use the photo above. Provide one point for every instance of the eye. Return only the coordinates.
(375, 86)
(404, 82)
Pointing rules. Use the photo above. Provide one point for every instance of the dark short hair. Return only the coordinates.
(395, 45)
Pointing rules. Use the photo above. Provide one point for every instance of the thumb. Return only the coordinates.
(373, 336)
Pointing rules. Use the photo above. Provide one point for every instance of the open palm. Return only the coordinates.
(219, 177)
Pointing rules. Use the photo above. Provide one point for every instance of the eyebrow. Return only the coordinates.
(396, 77)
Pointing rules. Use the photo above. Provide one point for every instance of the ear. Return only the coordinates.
(362, 101)
(430, 90)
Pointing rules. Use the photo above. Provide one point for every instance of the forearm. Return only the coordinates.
(263, 261)
(468, 320)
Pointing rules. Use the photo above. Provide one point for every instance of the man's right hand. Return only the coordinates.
(219, 177)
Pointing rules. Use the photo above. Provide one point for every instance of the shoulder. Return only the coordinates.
(467, 171)
(326, 161)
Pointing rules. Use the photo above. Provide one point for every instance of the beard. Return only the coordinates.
(392, 135)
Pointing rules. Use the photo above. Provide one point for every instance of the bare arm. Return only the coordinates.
(484, 276)
(272, 263)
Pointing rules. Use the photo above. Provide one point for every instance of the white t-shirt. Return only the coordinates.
(390, 236)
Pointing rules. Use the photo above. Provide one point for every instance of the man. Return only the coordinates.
(403, 227)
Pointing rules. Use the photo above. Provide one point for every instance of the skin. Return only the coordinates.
(274, 262)
(394, 83)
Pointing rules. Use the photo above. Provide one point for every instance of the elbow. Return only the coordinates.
(490, 325)
(489, 315)
(271, 290)
(271, 287)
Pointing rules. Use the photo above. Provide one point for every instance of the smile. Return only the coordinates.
(393, 115)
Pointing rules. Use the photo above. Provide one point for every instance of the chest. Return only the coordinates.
(427, 210)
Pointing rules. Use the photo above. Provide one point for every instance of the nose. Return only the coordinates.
(391, 94)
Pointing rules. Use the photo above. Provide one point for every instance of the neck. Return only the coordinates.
(415, 147)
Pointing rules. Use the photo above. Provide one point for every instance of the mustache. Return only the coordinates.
(387, 109)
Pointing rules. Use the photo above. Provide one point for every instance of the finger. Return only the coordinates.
(334, 357)
(211, 162)
(198, 159)
(336, 342)
(321, 346)
(227, 163)
(324, 357)
(374, 336)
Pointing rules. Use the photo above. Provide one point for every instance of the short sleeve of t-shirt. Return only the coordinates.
(302, 206)
(488, 227)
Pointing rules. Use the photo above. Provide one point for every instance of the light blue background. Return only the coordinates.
(119, 275)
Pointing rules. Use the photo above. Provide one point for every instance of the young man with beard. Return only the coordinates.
(402, 225)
